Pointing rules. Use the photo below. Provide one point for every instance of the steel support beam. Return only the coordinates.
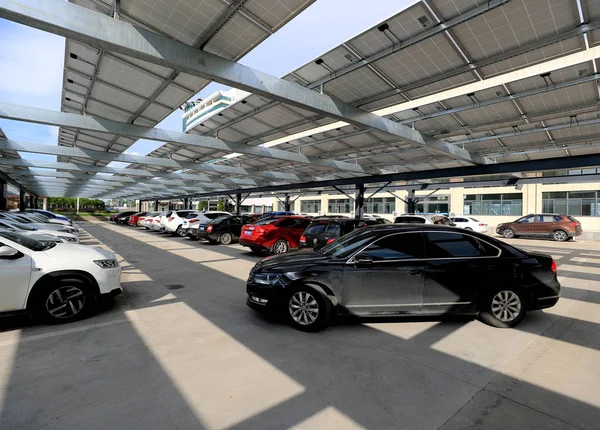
(22, 201)
(359, 201)
(97, 30)
(101, 125)
(155, 205)
(238, 203)
(121, 172)
(3, 195)
(411, 201)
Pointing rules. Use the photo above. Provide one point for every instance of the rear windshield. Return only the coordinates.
(572, 219)
(316, 228)
(474, 219)
(182, 214)
(267, 221)
(409, 220)
(213, 216)
(220, 219)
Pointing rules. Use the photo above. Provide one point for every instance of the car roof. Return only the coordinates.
(414, 227)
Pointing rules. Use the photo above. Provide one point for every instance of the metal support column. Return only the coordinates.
(139, 205)
(238, 203)
(186, 203)
(45, 203)
(410, 202)
(22, 202)
(35, 202)
(3, 195)
(359, 202)
(155, 205)
(286, 204)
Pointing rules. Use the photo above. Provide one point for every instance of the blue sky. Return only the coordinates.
(31, 61)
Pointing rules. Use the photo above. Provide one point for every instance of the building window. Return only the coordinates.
(577, 203)
(494, 204)
(245, 208)
(310, 206)
(433, 205)
(380, 205)
(338, 206)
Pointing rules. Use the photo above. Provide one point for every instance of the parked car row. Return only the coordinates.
(420, 265)
(45, 272)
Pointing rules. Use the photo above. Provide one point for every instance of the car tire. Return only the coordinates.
(508, 233)
(307, 309)
(63, 300)
(560, 236)
(225, 239)
(503, 308)
(280, 247)
(179, 232)
(256, 250)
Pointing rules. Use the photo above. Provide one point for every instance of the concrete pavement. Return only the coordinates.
(180, 349)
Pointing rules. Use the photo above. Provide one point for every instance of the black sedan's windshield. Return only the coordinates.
(349, 244)
(25, 241)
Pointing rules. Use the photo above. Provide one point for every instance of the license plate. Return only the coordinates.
(202, 228)
(248, 233)
(185, 223)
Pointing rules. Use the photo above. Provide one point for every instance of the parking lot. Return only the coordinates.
(180, 349)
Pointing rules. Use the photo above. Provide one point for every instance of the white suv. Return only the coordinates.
(172, 221)
(56, 282)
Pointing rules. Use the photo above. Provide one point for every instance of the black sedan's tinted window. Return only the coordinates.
(453, 245)
(333, 229)
(409, 220)
(397, 247)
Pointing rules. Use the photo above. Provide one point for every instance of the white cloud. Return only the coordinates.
(53, 130)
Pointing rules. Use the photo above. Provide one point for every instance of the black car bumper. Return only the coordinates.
(201, 234)
(546, 302)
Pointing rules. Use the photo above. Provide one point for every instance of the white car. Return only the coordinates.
(197, 218)
(173, 220)
(56, 282)
(10, 216)
(37, 217)
(156, 222)
(470, 223)
(39, 234)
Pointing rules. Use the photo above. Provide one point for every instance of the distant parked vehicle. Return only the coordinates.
(224, 229)
(133, 219)
(555, 226)
(323, 231)
(39, 234)
(196, 220)
(48, 214)
(469, 223)
(277, 235)
(424, 219)
(155, 225)
(123, 217)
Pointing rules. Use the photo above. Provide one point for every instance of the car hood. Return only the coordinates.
(291, 259)
(40, 236)
(72, 251)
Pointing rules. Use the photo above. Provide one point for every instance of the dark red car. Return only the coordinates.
(133, 219)
(276, 235)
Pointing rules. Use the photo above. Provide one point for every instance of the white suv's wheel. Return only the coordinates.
(64, 300)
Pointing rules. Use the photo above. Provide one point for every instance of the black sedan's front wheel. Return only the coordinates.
(307, 309)
(504, 308)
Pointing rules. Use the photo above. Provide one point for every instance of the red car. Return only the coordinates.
(276, 235)
(133, 219)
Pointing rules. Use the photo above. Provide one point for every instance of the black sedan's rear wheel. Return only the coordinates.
(225, 238)
(307, 309)
(504, 308)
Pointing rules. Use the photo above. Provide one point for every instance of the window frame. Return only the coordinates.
(459, 258)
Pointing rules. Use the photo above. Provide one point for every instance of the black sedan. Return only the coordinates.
(224, 229)
(395, 270)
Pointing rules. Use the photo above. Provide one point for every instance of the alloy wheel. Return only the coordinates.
(225, 239)
(508, 233)
(280, 247)
(180, 232)
(559, 236)
(65, 302)
(506, 306)
(303, 308)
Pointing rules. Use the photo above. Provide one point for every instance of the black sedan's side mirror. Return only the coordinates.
(363, 260)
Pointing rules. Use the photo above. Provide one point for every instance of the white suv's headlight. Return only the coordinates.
(107, 264)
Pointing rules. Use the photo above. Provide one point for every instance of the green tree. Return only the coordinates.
(221, 205)
(203, 205)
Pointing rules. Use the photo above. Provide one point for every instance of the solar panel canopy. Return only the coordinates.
(505, 80)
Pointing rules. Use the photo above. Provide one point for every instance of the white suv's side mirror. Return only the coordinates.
(8, 253)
